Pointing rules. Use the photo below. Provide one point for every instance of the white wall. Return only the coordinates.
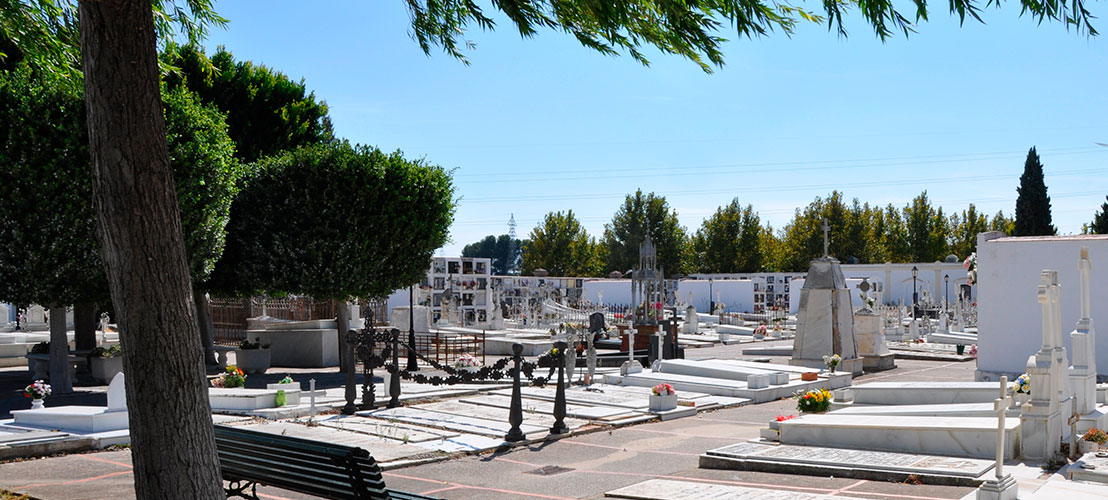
(616, 292)
(736, 295)
(1009, 317)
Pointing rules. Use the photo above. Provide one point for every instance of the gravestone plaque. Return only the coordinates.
(856, 459)
(665, 489)
(117, 397)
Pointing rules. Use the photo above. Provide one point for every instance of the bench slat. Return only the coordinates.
(294, 460)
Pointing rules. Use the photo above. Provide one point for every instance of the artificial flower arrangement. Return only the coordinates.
(760, 330)
(970, 266)
(287, 380)
(1096, 436)
(37, 390)
(973, 351)
(663, 390)
(232, 377)
(782, 418)
(467, 361)
(832, 361)
(1022, 385)
(814, 401)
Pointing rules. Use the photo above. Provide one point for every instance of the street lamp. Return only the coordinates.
(412, 365)
(915, 295)
(946, 291)
(711, 300)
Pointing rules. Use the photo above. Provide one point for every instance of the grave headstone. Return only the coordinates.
(1041, 418)
(1082, 375)
(825, 319)
(117, 395)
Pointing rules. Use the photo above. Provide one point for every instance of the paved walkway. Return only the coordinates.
(587, 465)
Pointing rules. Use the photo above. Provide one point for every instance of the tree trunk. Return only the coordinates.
(59, 353)
(207, 329)
(342, 321)
(84, 326)
(139, 229)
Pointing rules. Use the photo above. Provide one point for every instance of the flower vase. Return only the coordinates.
(36, 404)
(832, 369)
(663, 403)
(1084, 447)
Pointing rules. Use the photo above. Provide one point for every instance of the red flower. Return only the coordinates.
(806, 396)
(26, 395)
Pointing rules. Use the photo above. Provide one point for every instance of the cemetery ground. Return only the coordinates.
(585, 465)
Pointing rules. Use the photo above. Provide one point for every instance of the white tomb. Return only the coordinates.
(825, 320)
(1041, 418)
(1082, 375)
(81, 419)
(871, 341)
(422, 318)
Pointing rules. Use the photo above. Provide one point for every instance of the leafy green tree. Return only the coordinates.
(142, 243)
(963, 239)
(1002, 223)
(1033, 203)
(802, 238)
(561, 246)
(497, 248)
(1099, 225)
(730, 241)
(638, 216)
(266, 111)
(335, 221)
(927, 231)
(895, 237)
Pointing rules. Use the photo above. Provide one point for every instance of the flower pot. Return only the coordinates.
(1084, 447)
(104, 369)
(36, 404)
(663, 403)
(252, 360)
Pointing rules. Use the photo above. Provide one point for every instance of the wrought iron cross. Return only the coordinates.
(826, 228)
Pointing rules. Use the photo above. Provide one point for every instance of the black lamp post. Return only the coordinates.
(915, 295)
(413, 366)
(946, 291)
(711, 298)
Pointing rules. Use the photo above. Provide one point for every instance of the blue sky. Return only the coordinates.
(543, 124)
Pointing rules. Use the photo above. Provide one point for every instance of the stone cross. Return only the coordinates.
(311, 387)
(1072, 421)
(1001, 406)
(826, 228)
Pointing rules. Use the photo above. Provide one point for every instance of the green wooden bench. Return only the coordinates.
(249, 458)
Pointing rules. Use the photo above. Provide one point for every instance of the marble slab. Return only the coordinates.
(968, 437)
(77, 419)
(457, 408)
(1089, 467)
(581, 396)
(713, 369)
(472, 425)
(547, 407)
(390, 430)
(925, 393)
(948, 410)
(381, 449)
(856, 459)
(667, 489)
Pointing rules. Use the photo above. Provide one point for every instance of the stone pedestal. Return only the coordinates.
(1041, 418)
(692, 321)
(871, 342)
(1002, 489)
(825, 319)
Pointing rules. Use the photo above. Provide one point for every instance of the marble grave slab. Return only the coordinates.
(856, 459)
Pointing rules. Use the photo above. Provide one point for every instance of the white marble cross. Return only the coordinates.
(1000, 405)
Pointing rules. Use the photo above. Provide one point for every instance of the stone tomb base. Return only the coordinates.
(878, 362)
(847, 365)
(79, 419)
(248, 399)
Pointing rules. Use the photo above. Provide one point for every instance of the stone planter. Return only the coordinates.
(104, 369)
(663, 403)
(1084, 447)
(36, 404)
(252, 360)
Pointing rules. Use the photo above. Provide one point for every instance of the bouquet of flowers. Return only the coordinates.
(760, 330)
(232, 377)
(973, 351)
(663, 390)
(37, 390)
(1022, 384)
(286, 380)
(832, 361)
(467, 361)
(814, 401)
(970, 266)
(1096, 436)
(782, 418)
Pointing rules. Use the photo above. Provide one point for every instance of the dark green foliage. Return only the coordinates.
(499, 249)
(638, 216)
(266, 111)
(729, 241)
(561, 246)
(1033, 203)
(1099, 225)
(49, 254)
(964, 229)
(335, 221)
(927, 230)
(48, 250)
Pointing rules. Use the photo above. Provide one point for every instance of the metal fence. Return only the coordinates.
(445, 349)
(230, 316)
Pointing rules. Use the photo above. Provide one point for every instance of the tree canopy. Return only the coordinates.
(730, 241)
(266, 111)
(1033, 203)
(561, 246)
(505, 256)
(638, 216)
(1099, 225)
(335, 221)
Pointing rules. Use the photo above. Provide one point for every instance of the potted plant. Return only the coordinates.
(252, 357)
(663, 397)
(1092, 441)
(106, 362)
(232, 377)
(832, 362)
(813, 401)
(37, 392)
(467, 363)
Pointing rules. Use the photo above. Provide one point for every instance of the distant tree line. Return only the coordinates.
(735, 240)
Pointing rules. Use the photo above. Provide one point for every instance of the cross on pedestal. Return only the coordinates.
(1003, 487)
(826, 229)
(1072, 421)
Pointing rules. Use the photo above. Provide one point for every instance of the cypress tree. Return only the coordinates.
(1033, 204)
(1100, 220)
